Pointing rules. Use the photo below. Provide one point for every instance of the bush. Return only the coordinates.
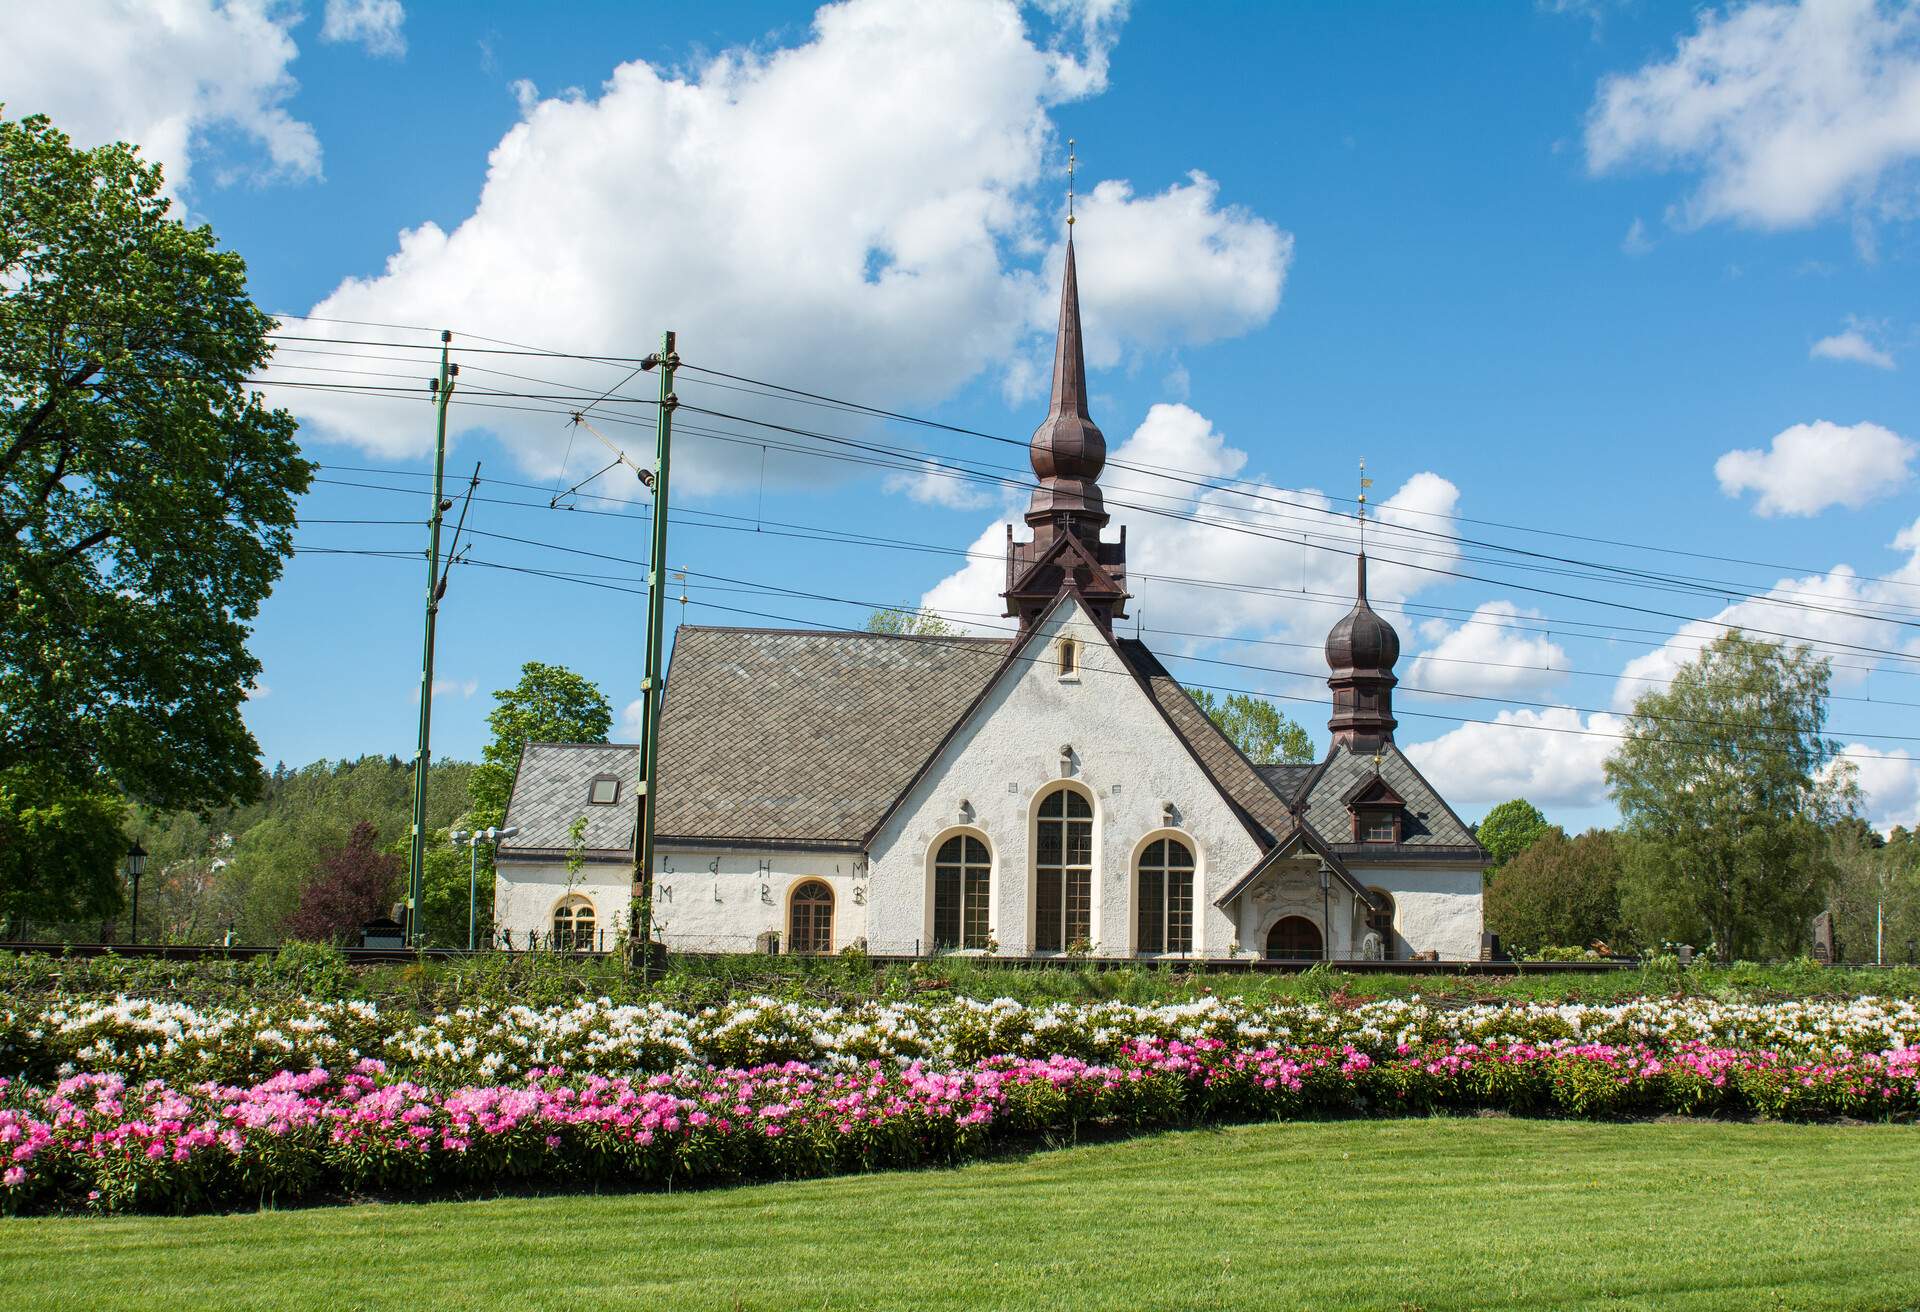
(1559, 890)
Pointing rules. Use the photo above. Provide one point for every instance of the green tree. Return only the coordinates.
(903, 621)
(1726, 778)
(61, 850)
(1560, 892)
(353, 885)
(1256, 727)
(147, 496)
(550, 704)
(1875, 897)
(1510, 829)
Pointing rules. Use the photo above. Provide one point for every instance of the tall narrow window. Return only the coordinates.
(1380, 921)
(1166, 897)
(961, 875)
(1069, 658)
(573, 926)
(810, 928)
(1063, 872)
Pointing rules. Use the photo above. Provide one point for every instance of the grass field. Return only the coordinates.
(1486, 1213)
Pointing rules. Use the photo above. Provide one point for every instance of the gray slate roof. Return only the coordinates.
(805, 736)
(1430, 828)
(1237, 777)
(798, 736)
(1286, 779)
(550, 793)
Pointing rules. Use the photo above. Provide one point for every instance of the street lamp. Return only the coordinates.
(136, 867)
(473, 838)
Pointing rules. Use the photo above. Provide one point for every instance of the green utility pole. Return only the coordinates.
(416, 866)
(653, 688)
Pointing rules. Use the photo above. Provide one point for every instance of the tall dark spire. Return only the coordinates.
(1067, 511)
(1361, 651)
(1068, 449)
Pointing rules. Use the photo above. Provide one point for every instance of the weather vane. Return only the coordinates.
(1365, 483)
(1070, 163)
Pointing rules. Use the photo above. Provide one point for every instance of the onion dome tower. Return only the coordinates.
(1067, 510)
(1361, 651)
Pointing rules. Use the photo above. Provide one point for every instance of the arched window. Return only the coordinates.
(573, 926)
(1293, 938)
(1166, 897)
(961, 871)
(1063, 872)
(1380, 920)
(810, 922)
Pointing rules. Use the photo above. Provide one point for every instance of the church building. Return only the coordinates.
(1053, 793)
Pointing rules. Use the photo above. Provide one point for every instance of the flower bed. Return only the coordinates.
(145, 1038)
(98, 1142)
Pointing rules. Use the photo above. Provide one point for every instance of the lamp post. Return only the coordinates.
(473, 838)
(136, 867)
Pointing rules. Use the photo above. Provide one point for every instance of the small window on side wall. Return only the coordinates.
(604, 791)
(1069, 658)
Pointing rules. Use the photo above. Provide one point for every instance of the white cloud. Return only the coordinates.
(862, 211)
(1810, 467)
(1787, 111)
(167, 77)
(1173, 267)
(1276, 560)
(1636, 242)
(1487, 654)
(1850, 611)
(1851, 345)
(935, 485)
(1558, 761)
(258, 691)
(375, 24)
(1889, 784)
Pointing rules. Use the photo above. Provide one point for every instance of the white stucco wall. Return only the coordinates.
(1436, 908)
(722, 901)
(704, 901)
(525, 894)
(1125, 759)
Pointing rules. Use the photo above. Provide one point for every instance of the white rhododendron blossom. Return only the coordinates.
(148, 1037)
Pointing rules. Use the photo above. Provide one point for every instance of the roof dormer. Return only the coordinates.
(1378, 812)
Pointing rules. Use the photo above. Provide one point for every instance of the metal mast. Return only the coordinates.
(653, 687)
(416, 865)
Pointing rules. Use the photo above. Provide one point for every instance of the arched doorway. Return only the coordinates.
(810, 920)
(1293, 938)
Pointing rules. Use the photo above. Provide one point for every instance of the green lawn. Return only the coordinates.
(1396, 1214)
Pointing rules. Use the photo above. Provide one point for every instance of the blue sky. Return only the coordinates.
(1542, 266)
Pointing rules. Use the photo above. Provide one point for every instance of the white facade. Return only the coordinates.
(1093, 731)
(1084, 725)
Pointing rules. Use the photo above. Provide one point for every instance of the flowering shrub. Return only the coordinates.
(145, 1038)
(100, 1142)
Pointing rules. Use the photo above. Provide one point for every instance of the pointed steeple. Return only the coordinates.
(1361, 651)
(1067, 511)
(1068, 450)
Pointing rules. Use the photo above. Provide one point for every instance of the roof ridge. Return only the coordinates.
(542, 742)
(842, 633)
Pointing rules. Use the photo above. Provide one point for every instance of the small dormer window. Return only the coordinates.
(1377, 824)
(1069, 658)
(604, 791)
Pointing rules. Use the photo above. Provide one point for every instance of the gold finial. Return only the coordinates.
(1070, 164)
